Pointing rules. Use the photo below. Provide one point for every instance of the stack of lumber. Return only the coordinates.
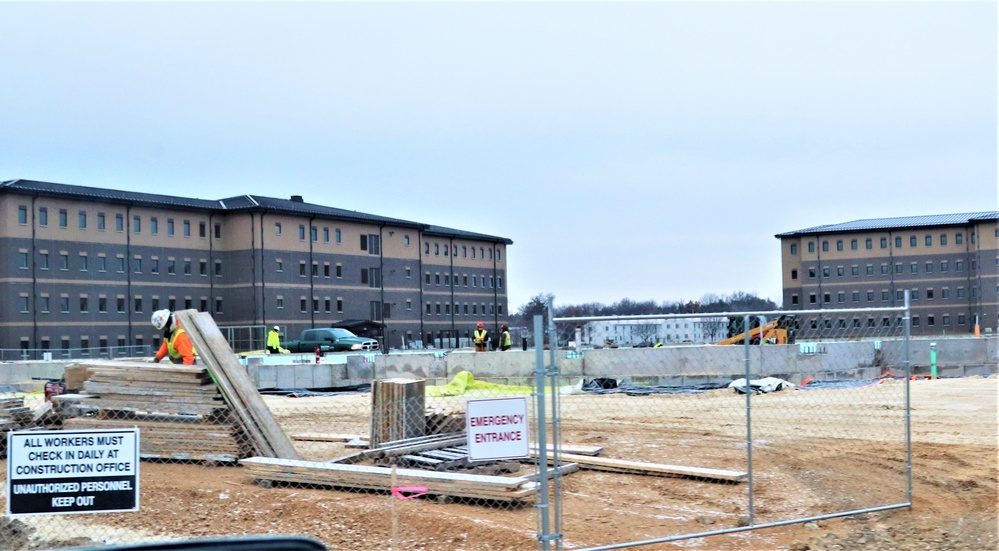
(256, 421)
(177, 409)
(492, 488)
(398, 410)
(14, 415)
(439, 422)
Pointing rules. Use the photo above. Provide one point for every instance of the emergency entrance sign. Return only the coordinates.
(497, 428)
(72, 471)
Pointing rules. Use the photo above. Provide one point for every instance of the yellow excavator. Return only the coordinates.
(778, 331)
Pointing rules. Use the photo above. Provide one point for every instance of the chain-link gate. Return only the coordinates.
(696, 441)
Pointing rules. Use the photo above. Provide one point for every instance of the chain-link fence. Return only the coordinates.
(639, 445)
(690, 449)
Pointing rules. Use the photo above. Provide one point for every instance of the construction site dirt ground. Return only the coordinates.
(954, 455)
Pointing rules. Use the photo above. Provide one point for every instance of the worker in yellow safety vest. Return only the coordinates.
(274, 340)
(479, 337)
(504, 338)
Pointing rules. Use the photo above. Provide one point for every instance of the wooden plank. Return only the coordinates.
(320, 437)
(641, 467)
(237, 388)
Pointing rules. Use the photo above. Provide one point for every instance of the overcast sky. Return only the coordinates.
(644, 150)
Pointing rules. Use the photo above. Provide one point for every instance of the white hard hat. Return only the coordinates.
(276, 328)
(160, 318)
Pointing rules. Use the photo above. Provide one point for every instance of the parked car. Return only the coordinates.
(330, 339)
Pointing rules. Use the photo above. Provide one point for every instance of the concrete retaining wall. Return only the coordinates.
(682, 365)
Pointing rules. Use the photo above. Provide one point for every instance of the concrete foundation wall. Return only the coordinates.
(682, 365)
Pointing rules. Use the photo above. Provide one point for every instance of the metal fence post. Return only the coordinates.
(544, 519)
(907, 332)
(749, 413)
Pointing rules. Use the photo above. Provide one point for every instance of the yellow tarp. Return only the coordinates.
(464, 384)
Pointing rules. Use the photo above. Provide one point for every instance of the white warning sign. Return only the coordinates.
(497, 428)
(81, 471)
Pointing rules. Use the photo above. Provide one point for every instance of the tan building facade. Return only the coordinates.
(88, 266)
(948, 263)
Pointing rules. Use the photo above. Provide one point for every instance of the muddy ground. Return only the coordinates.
(815, 452)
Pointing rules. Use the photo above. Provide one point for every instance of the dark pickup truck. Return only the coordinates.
(330, 340)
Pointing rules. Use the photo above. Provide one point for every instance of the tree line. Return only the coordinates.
(710, 303)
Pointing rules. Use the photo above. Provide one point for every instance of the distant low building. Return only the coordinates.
(648, 332)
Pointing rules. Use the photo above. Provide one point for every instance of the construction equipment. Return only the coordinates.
(778, 331)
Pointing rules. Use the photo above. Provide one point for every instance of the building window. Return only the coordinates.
(405, 240)
(119, 223)
(840, 297)
(203, 268)
(218, 268)
(336, 235)
(870, 296)
(138, 305)
(187, 266)
(202, 231)
(64, 261)
(839, 271)
(914, 268)
(280, 303)
(339, 270)
(277, 228)
(839, 244)
(944, 266)
(43, 216)
(811, 298)
(929, 294)
(43, 260)
(437, 249)
(100, 221)
(945, 293)
(794, 274)
(825, 297)
(794, 299)
(929, 240)
(83, 304)
(853, 245)
(915, 321)
(339, 305)
(218, 231)
(326, 235)
(959, 265)
(825, 273)
(912, 241)
(154, 225)
(314, 233)
(170, 227)
(884, 242)
(855, 271)
(82, 219)
(855, 296)
(301, 268)
(279, 265)
(885, 296)
(187, 228)
(137, 264)
(959, 238)
(102, 263)
(136, 224)
(83, 262)
(825, 246)
(326, 270)
(22, 215)
(218, 305)
(929, 267)
(303, 305)
(315, 269)
(64, 304)
(120, 303)
(946, 320)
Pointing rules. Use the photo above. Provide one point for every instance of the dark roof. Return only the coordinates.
(931, 220)
(32, 187)
(441, 231)
(230, 204)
